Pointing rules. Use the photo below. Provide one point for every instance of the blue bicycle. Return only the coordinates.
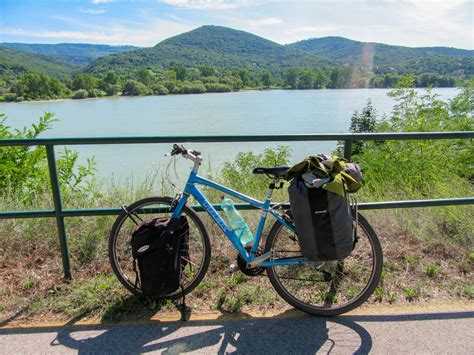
(319, 288)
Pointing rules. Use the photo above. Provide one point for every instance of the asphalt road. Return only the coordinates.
(378, 334)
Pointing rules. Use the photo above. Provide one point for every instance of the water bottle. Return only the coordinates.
(238, 224)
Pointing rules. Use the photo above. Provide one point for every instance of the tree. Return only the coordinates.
(266, 78)
(306, 79)
(134, 88)
(33, 86)
(180, 71)
(321, 79)
(363, 122)
(207, 70)
(244, 75)
(291, 78)
(144, 76)
(111, 78)
(85, 81)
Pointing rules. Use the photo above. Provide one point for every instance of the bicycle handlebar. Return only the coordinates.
(180, 149)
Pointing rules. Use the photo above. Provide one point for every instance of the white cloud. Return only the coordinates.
(266, 21)
(150, 35)
(93, 11)
(207, 4)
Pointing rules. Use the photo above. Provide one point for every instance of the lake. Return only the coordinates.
(239, 113)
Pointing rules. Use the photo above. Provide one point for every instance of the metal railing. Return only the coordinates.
(59, 213)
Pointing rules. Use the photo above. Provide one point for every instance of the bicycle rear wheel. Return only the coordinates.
(120, 251)
(326, 288)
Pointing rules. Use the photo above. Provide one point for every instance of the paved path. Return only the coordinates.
(386, 334)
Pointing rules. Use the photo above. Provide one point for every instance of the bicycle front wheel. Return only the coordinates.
(120, 250)
(326, 288)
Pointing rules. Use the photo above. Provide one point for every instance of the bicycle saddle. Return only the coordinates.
(278, 171)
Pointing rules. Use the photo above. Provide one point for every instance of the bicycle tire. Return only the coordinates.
(334, 287)
(119, 249)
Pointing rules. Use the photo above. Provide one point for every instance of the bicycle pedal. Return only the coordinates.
(233, 268)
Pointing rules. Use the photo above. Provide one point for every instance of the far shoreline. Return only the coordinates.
(230, 92)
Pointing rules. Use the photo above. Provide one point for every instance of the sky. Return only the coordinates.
(145, 23)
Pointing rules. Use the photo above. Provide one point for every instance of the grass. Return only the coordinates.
(431, 270)
(415, 246)
(411, 293)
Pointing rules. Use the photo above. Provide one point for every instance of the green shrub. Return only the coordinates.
(238, 174)
(196, 87)
(399, 170)
(134, 88)
(159, 89)
(9, 97)
(80, 94)
(217, 87)
(24, 171)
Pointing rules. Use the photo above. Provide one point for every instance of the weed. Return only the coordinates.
(29, 283)
(351, 291)
(391, 296)
(391, 265)
(3, 292)
(204, 286)
(2, 306)
(167, 305)
(471, 256)
(378, 294)
(235, 303)
(431, 270)
(411, 261)
(468, 291)
(411, 293)
(463, 266)
(236, 279)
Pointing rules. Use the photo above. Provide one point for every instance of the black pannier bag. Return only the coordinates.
(159, 247)
(322, 220)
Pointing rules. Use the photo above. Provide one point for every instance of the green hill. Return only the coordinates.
(383, 58)
(74, 53)
(14, 62)
(210, 45)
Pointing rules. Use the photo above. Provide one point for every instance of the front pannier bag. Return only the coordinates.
(320, 207)
(159, 247)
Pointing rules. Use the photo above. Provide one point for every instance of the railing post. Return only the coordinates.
(348, 149)
(58, 208)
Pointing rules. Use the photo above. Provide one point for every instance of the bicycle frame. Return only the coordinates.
(192, 190)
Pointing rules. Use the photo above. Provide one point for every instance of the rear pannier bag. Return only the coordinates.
(322, 220)
(159, 247)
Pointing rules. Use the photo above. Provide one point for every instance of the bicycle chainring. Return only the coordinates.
(243, 265)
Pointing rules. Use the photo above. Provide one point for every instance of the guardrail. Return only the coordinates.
(59, 213)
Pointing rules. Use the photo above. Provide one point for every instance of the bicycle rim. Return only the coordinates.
(120, 252)
(326, 288)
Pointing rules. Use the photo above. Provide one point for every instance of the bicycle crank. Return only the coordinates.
(255, 271)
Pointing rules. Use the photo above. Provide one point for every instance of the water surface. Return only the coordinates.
(240, 113)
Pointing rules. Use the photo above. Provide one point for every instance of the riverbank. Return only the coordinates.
(247, 89)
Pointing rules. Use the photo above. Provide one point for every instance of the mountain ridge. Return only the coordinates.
(226, 47)
(75, 53)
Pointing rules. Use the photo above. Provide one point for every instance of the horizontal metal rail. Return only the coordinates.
(59, 213)
(91, 212)
(234, 138)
